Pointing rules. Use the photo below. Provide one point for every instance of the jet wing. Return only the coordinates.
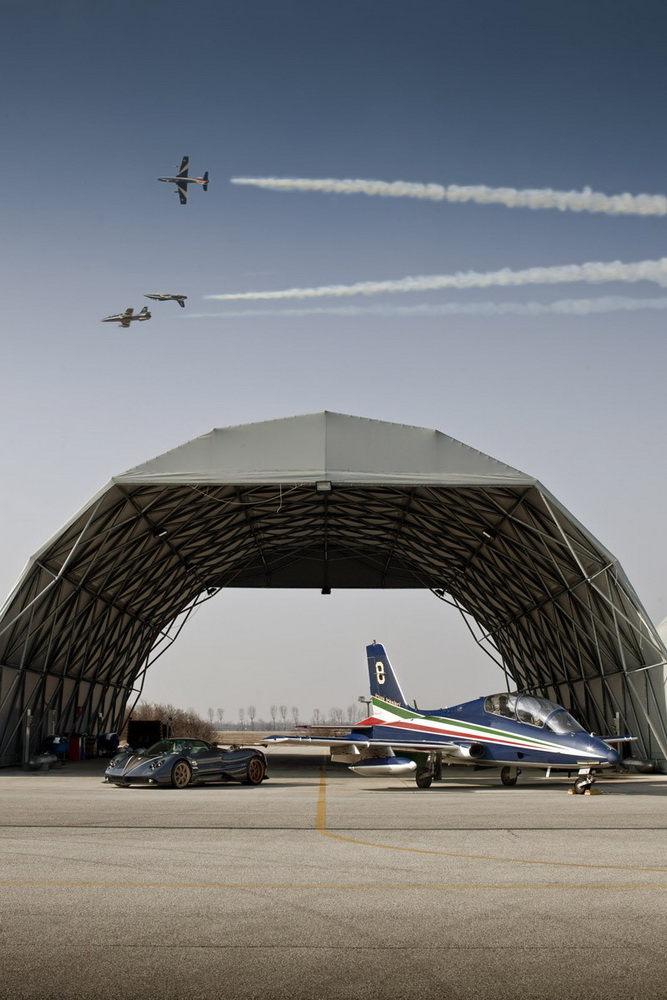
(182, 192)
(126, 317)
(449, 748)
(183, 169)
(319, 741)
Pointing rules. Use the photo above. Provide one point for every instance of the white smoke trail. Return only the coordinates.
(571, 307)
(592, 272)
(585, 200)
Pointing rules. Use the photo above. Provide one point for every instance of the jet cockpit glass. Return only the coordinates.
(501, 704)
(533, 711)
(562, 722)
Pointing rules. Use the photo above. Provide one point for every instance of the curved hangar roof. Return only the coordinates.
(327, 501)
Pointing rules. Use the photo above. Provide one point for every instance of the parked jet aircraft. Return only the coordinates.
(166, 297)
(182, 180)
(124, 319)
(511, 731)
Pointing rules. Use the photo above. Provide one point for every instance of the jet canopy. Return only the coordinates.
(533, 711)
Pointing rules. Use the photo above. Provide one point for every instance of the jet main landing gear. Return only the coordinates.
(424, 777)
(429, 771)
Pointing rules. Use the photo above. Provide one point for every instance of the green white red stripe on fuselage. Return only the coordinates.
(397, 726)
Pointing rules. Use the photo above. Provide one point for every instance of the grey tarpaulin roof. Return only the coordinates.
(407, 507)
(330, 446)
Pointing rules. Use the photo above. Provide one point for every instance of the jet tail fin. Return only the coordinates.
(206, 181)
(383, 680)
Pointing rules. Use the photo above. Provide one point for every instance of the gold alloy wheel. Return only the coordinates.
(181, 774)
(256, 771)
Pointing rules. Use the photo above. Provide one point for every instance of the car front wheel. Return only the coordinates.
(255, 772)
(181, 774)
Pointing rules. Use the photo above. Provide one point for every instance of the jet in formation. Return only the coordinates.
(511, 731)
(181, 180)
(167, 297)
(124, 319)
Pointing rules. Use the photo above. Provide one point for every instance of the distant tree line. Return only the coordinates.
(187, 722)
(181, 722)
(283, 717)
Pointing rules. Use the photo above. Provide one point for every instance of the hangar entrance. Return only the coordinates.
(299, 649)
(325, 502)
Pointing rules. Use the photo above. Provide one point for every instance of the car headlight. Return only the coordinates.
(113, 762)
(154, 764)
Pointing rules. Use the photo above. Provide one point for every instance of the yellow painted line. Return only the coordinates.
(321, 811)
(320, 826)
(282, 886)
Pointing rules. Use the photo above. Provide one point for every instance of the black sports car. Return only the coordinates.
(182, 762)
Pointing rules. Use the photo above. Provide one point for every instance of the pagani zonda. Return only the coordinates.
(182, 762)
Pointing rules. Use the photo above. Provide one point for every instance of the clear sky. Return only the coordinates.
(98, 100)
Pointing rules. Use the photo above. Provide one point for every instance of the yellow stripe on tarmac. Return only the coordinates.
(282, 886)
(320, 826)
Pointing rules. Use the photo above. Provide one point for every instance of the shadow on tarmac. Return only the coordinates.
(283, 765)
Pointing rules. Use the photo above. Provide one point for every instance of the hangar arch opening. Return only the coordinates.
(301, 649)
(329, 502)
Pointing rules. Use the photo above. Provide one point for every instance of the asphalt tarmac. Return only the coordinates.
(322, 884)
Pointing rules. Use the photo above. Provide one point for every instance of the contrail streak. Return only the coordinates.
(566, 307)
(646, 270)
(585, 200)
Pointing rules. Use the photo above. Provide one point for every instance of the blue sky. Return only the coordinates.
(98, 100)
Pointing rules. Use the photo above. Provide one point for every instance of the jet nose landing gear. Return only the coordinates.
(583, 785)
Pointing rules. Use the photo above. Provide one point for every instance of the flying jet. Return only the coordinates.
(512, 731)
(181, 180)
(167, 297)
(124, 319)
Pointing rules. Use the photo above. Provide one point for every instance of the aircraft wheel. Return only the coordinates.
(181, 774)
(581, 785)
(509, 776)
(424, 777)
(255, 772)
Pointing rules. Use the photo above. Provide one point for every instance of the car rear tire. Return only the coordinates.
(181, 774)
(255, 772)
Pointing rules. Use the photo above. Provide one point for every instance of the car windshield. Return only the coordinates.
(533, 711)
(167, 746)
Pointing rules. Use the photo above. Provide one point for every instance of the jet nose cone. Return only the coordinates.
(613, 756)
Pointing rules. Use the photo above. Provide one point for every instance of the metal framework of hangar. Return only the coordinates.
(327, 501)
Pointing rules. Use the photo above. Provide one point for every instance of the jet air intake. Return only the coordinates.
(474, 751)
